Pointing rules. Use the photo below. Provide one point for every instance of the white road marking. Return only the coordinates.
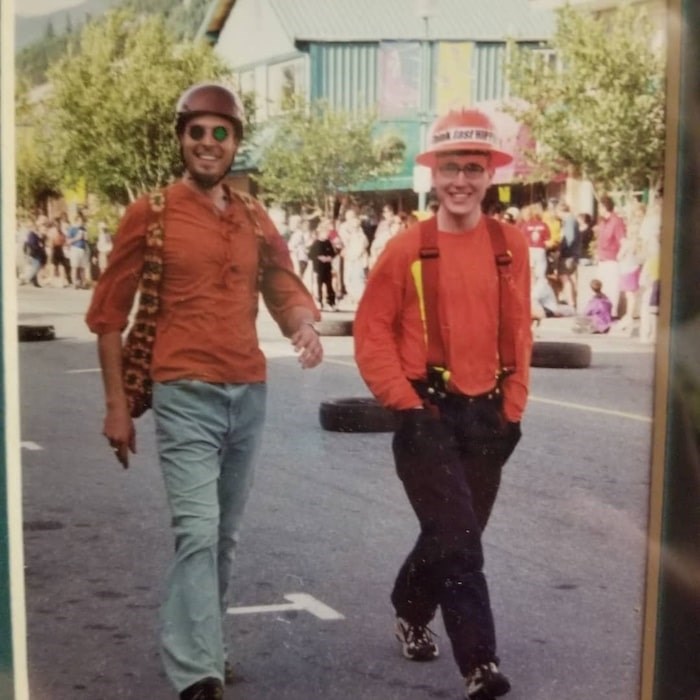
(592, 409)
(554, 402)
(298, 601)
(29, 445)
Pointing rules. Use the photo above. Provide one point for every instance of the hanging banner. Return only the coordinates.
(453, 83)
(399, 78)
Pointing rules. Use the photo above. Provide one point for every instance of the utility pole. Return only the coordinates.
(425, 9)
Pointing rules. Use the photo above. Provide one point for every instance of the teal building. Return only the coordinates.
(408, 60)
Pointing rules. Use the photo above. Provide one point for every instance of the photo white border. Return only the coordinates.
(12, 408)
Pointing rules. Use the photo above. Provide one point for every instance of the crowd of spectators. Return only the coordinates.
(334, 254)
(59, 252)
(620, 248)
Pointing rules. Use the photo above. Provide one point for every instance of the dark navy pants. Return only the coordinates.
(450, 465)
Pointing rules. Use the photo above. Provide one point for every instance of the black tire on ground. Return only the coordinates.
(29, 333)
(334, 327)
(356, 415)
(560, 355)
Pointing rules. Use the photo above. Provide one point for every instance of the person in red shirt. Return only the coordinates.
(459, 423)
(610, 232)
(208, 370)
(538, 237)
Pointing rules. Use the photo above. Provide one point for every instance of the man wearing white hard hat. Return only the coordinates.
(442, 336)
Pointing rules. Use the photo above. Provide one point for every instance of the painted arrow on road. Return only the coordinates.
(29, 445)
(298, 601)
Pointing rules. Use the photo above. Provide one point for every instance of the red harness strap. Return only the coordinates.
(507, 303)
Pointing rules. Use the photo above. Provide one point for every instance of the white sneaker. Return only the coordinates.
(417, 642)
(485, 682)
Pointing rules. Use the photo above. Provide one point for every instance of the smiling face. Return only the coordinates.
(460, 180)
(208, 148)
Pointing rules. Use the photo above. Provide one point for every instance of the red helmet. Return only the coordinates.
(463, 130)
(210, 98)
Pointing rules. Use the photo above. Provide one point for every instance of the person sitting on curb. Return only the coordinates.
(544, 302)
(597, 316)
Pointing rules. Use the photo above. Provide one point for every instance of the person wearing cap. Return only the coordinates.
(457, 423)
(220, 248)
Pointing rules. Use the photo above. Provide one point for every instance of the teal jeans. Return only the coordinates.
(208, 438)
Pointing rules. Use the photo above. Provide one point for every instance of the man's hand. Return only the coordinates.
(307, 343)
(119, 430)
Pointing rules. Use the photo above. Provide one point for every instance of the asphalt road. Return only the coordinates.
(565, 548)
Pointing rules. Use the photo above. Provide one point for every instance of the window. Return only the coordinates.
(284, 80)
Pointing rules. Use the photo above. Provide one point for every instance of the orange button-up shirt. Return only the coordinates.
(209, 289)
(390, 345)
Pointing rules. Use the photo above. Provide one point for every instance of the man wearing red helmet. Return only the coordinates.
(219, 250)
(442, 336)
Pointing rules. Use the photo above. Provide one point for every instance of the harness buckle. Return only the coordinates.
(437, 378)
(429, 252)
(503, 259)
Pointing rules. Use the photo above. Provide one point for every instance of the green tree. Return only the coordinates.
(597, 109)
(314, 152)
(183, 21)
(112, 108)
(36, 170)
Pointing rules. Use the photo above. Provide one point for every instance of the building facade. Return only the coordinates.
(404, 61)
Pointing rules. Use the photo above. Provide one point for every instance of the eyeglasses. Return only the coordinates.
(451, 171)
(197, 132)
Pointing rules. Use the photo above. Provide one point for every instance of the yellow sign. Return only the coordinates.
(453, 82)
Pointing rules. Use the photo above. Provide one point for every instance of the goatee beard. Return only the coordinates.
(205, 182)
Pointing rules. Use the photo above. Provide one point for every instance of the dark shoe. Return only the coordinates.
(417, 641)
(206, 689)
(229, 675)
(485, 682)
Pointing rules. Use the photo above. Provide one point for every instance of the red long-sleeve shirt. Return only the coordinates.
(390, 347)
(209, 295)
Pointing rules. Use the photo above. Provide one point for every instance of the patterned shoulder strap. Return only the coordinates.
(138, 347)
(152, 271)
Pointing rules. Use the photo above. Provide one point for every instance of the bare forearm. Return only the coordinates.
(109, 349)
(295, 318)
